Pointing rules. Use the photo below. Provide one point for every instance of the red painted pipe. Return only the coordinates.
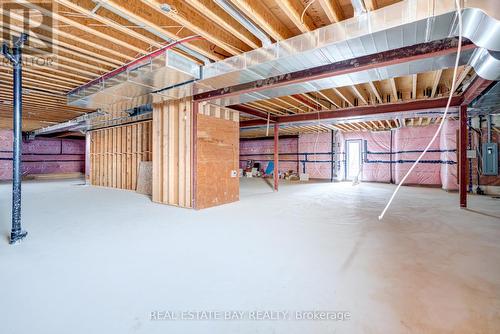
(276, 156)
(125, 67)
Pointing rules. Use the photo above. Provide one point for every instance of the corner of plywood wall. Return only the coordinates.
(199, 163)
(217, 151)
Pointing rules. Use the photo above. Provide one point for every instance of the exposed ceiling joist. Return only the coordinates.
(183, 14)
(216, 14)
(295, 12)
(435, 84)
(258, 12)
(332, 10)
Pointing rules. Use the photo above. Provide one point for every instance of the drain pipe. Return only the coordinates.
(14, 55)
(244, 21)
(116, 11)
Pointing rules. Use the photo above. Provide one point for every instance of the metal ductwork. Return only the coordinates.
(487, 103)
(483, 61)
(403, 24)
(244, 21)
(143, 77)
(400, 25)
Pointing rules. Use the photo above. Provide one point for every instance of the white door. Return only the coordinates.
(353, 163)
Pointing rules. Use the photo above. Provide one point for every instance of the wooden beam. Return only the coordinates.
(258, 12)
(461, 77)
(61, 47)
(192, 20)
(253, 112)
(358, 94)
(316, 102)
(219, 16)
(414, 86)
(342, 96)
(394, 89)
(332, 10)
(375, 91)
(327, 98)
(82, 27)
(205, 50)
(76, 41)
(109, 23)
(371, 4)
(435, 84)
(295, 12)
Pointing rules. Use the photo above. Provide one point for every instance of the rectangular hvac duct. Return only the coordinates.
(148, 76)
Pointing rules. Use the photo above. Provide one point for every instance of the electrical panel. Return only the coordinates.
(490, 159)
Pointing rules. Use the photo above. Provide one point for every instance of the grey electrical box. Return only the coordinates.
(490, 159)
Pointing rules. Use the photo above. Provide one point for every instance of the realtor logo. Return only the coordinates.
(33, 18)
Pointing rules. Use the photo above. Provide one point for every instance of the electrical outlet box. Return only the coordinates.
(490, 159)
(471, 154)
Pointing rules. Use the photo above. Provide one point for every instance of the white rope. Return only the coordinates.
(459, 49)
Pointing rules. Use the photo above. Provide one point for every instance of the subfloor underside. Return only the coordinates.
(100, 260)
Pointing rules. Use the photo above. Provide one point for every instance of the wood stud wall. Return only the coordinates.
(115, 154)
(172, 152)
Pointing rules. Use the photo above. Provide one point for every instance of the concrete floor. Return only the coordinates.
(100, 261)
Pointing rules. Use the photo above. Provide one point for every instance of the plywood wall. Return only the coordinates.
(217, 155)
(172, 152)
(115, 154)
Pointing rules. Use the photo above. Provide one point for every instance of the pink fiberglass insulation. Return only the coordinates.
(42, 155)
(314, 153)
(377, 166)
(409, 143)
(262, 151)
(383, 162)
(448, 145)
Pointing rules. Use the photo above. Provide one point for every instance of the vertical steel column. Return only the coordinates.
(276, 155)
(14, 56)
(463, 157)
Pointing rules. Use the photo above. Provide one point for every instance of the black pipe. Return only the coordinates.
(15, 57)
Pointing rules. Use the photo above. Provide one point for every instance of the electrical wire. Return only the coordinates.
(452, 90)
(304, 11)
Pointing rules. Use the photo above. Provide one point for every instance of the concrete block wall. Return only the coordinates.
(42, 156)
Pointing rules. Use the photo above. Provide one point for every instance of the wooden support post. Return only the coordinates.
(276, 156)
(194, 151)
(88, 142)
(462, 180)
